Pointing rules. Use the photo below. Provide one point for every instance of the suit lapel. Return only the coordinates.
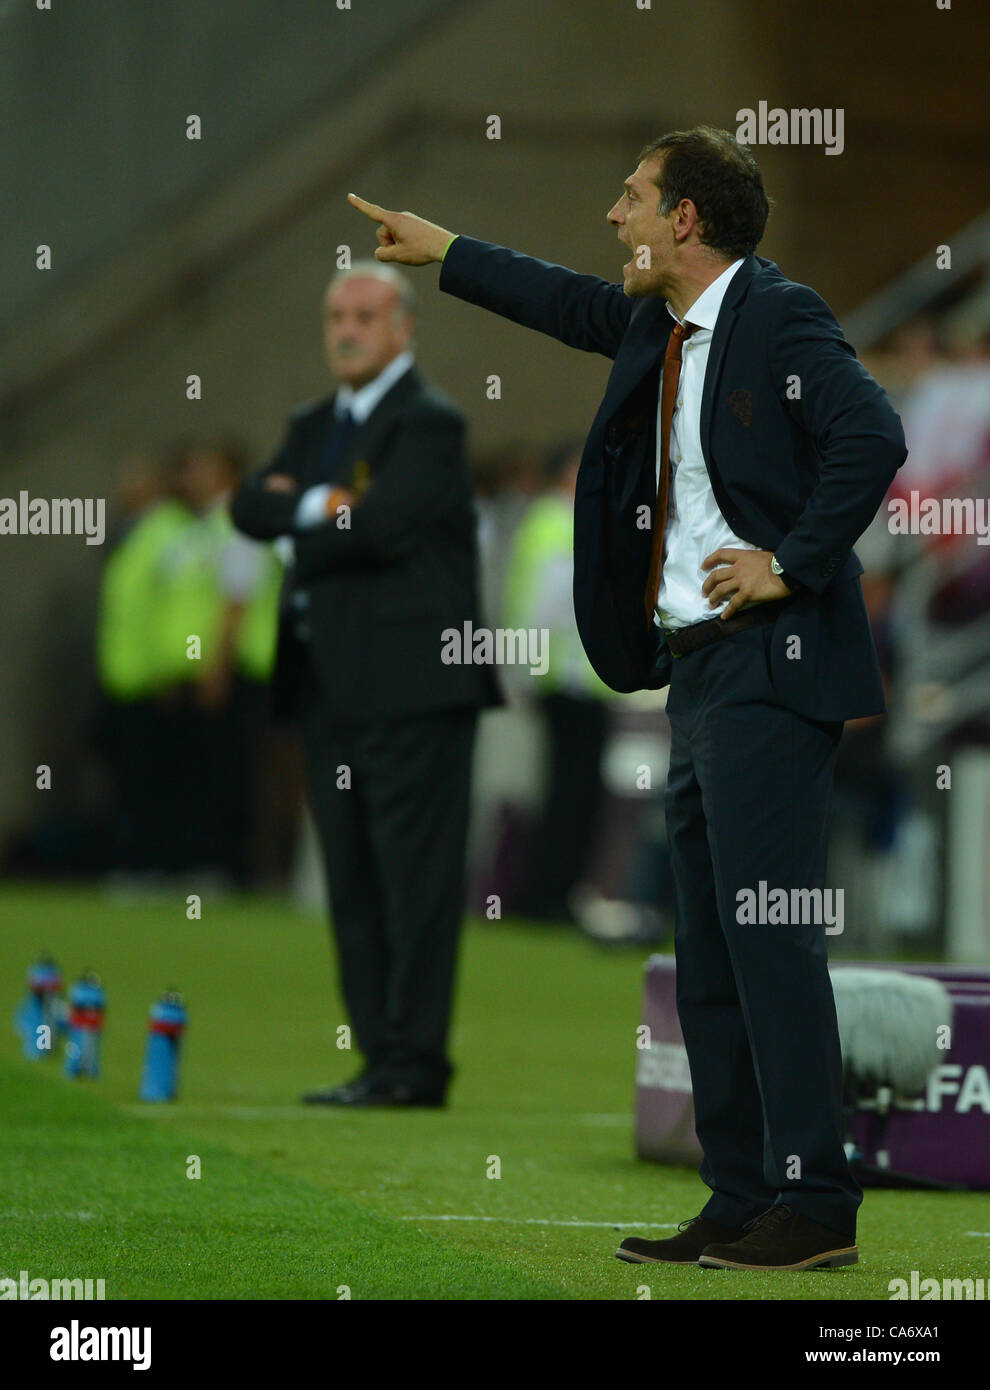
(643, 347)
(366, 441)
(318, 426)
(646, 338)
(724, 324)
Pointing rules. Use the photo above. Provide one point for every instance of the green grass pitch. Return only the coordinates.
(294, 1202)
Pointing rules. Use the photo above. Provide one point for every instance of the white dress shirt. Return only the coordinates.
(695, 526)
(312, 508)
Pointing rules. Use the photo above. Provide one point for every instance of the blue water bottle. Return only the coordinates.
(40, 1018)
(166, 1024)
(87, 1006)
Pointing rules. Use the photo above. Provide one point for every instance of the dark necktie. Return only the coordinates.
(337, 441)
(668, 395)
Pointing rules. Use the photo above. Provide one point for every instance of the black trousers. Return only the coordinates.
(207, 782)
(131, 733)
(747, 799)
(576, 730)
(391, 801)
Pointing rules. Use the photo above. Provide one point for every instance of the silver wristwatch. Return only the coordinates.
(777, 568)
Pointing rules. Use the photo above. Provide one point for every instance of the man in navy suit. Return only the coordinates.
(738, 454)
(372, 486)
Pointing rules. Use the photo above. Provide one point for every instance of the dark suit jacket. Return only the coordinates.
(382, 592)
(800, 443)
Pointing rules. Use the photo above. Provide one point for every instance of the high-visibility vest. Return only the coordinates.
(194, 600)
(545, 536)
(258, 635)
(129, 601)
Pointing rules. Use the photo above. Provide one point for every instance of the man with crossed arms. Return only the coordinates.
(738, 422)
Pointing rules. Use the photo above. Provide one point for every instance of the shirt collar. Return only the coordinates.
(704, 311)
(362, 402)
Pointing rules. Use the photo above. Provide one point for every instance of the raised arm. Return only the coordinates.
(582, 311)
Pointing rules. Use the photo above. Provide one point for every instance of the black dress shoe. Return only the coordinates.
(682, 1249)
(351, 1093)
(399, 1093)
(367, 1090)
(783, 1239)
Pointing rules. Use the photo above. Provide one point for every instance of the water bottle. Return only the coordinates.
(87, 1006)
(40, 1019)
(166, 1024)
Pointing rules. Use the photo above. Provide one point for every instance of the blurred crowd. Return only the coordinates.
(202, 782)
(928, 597)
(185, 642)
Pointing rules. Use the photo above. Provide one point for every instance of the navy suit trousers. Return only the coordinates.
(747, 800)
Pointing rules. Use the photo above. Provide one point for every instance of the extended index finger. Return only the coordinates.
(372, 210)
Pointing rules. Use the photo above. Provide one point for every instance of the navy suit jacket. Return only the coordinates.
(383, 591)
(800, 442)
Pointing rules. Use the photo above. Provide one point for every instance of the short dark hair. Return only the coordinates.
(722, 179)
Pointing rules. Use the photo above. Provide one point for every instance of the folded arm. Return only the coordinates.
(264, 512)
(424, 475)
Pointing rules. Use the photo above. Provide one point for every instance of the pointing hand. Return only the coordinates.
(402, 236)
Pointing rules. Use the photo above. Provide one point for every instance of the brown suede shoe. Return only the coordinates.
(782, 1239)
(682, 1249)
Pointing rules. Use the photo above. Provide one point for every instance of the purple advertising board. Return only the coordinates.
(943, 1134)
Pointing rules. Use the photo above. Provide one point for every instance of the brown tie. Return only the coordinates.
(668, 395)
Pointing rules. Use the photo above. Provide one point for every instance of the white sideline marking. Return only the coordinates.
(233, 1112)
(289, 1112)
(47, 1215)
(546, 1221)
(983, 1235)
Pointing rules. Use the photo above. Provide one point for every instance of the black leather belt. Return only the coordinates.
(683, 640)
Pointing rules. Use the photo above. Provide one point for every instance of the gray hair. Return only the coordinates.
(378, 270)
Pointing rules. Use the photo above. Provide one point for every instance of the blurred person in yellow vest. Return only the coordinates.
(130, 729)
(222, 588)
(573, 702)
(129, 590)
(215, 639)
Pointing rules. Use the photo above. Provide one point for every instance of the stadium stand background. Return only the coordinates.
(173, 257)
